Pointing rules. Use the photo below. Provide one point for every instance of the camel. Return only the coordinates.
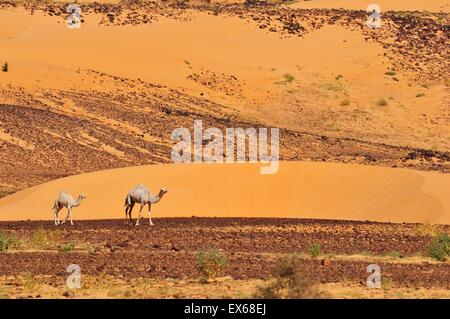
(64, 199)
(141, 194)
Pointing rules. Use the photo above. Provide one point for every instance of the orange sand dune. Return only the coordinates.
(299, 189)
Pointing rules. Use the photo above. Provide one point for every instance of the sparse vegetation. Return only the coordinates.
(390, 73)
(29, 281)
(345, 102)
(9, 242)
(386, 282)
(39, 238)
(211, 262)
(339, 76)
(288, 282)
(5, 67)
(381, 102)
(393, 254)
(420, 95)
(427, 229)
(314, 249)
(288, 78)
(66, 247)
(439, 247)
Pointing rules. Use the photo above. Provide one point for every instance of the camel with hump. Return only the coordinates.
(64, 199)
(141, 195)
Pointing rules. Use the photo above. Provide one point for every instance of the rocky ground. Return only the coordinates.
(169, 250)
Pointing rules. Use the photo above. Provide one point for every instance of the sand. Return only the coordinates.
(169, 51)
(299, 189)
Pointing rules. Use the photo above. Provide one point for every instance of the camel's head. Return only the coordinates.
(162, 191)
(82, 196)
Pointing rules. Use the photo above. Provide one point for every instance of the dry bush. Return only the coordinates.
(289, 282)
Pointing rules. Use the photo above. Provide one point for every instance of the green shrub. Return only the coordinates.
(10, 242)
(39, 238)
(66, 247)
(211, 262)
(314, 249)
(439, 247)
(288, 78)
(394, 254)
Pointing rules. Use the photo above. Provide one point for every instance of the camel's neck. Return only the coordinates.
(157, 198)
(77, 202)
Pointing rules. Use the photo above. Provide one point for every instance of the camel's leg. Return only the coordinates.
(56, 211)
(139, 216)
(67, 217)
(150, 214)
(70, 215)
(129, 212)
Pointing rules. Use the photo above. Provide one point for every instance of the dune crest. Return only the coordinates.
(299, 189)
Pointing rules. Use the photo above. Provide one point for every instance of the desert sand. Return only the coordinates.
(299, 189)
(365, 155)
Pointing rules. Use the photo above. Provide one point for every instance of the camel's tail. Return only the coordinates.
(127, 201)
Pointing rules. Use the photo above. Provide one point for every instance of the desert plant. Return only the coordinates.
(10, 242)
(381, 102)
(393, 254)
(314, 249)
(345, 102)
(211, 262)
(339, 76)
(288, 78)
(427, 229)
(288, 282)
(29, 281)
(390, 73)
(420, 95)
(39, 238)
(66, 247)
(439, 247)
(5, 67)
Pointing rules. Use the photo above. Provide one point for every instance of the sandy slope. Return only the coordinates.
(299, 189)
(215, 57)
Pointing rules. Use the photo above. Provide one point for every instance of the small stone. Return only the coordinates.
(68, 294)
(325, 262)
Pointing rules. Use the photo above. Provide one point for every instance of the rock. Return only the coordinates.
(123, 244)
(325, 262)
(175, 247)
(68, 294)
